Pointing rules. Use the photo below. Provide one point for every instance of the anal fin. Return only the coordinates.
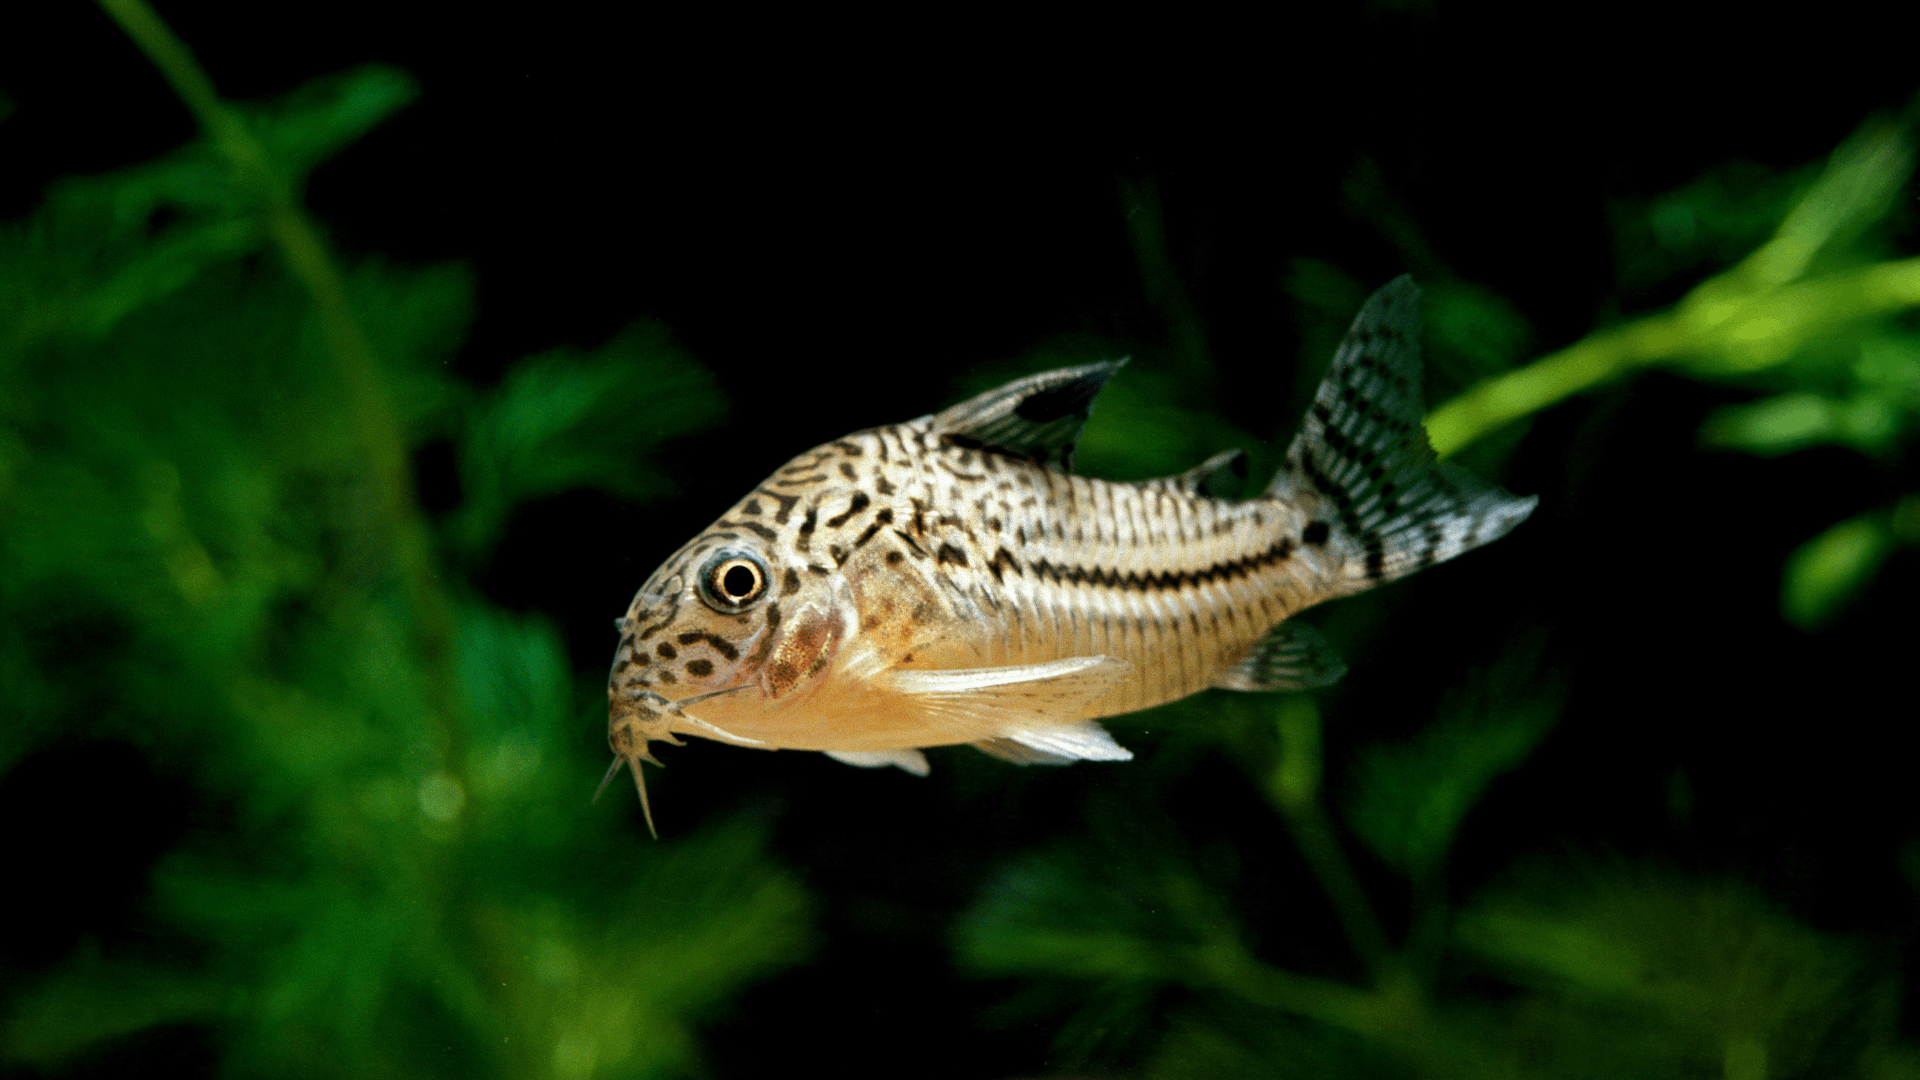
(912, 761)
(1293, 656)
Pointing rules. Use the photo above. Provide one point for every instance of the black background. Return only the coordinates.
(848, 212)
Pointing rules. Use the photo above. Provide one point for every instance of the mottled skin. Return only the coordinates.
(1021, 564)
(830, 608)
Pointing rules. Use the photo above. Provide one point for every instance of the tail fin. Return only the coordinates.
(1362, 467)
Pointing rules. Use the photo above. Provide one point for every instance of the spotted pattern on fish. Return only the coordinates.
(949, 580)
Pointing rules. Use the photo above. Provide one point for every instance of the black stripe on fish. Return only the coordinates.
(880, 521)
(719, 644)
(858, 504)
(786, 505)
(673, 612)
(1164, 581)
(1001, 558)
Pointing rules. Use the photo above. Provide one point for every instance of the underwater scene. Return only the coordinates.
(380, 391)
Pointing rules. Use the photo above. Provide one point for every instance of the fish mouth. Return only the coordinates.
(633, 708)
(637, 717)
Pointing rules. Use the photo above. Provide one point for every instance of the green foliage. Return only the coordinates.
(1130, 917)
(1647, 973)
(403, 875)
(1409, 800)
(1702, 226)
(1815, 289)
(568, 419)
(1824, 573)
(1817, 314)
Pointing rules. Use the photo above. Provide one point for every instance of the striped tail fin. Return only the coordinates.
(1362, 468)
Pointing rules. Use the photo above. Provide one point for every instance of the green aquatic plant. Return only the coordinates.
(210, 553)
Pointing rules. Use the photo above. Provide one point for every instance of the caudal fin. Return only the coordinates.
(1362, 467)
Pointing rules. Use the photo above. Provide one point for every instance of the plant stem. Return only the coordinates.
(382, 443)
(1296, 788)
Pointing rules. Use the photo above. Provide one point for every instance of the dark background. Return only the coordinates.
(840, 217)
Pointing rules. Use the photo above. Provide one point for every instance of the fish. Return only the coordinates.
(950, 580)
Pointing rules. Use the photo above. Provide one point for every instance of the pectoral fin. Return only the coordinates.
(1034, 707)
(913, 761)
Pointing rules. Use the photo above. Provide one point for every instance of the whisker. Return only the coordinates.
(608, 779)
(711, 694)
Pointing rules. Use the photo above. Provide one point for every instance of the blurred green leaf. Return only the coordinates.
(1815, 281)
(1129, 916)
(1872, 405)
(1734, 984)
(1409, 800)
(1472, 333)
(193, 561)
(1825, 572)
(567, 419)
(91, 1001)
(326, 115)
(1248, 1044)
(1703, 226)
(102, 247)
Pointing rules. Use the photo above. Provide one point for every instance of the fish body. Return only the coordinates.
(949, 580)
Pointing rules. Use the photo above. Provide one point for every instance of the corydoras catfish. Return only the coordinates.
(949, 580)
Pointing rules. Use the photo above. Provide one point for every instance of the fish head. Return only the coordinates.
(694, 625)
(726, 622)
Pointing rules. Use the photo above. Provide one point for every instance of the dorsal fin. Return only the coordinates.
(1218, 477)
(1038, 417)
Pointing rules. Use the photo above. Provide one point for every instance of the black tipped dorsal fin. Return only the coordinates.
(1362, 466)
(1293, 656)
(1038, 417)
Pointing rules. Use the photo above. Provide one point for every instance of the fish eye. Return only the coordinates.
(732, 580)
